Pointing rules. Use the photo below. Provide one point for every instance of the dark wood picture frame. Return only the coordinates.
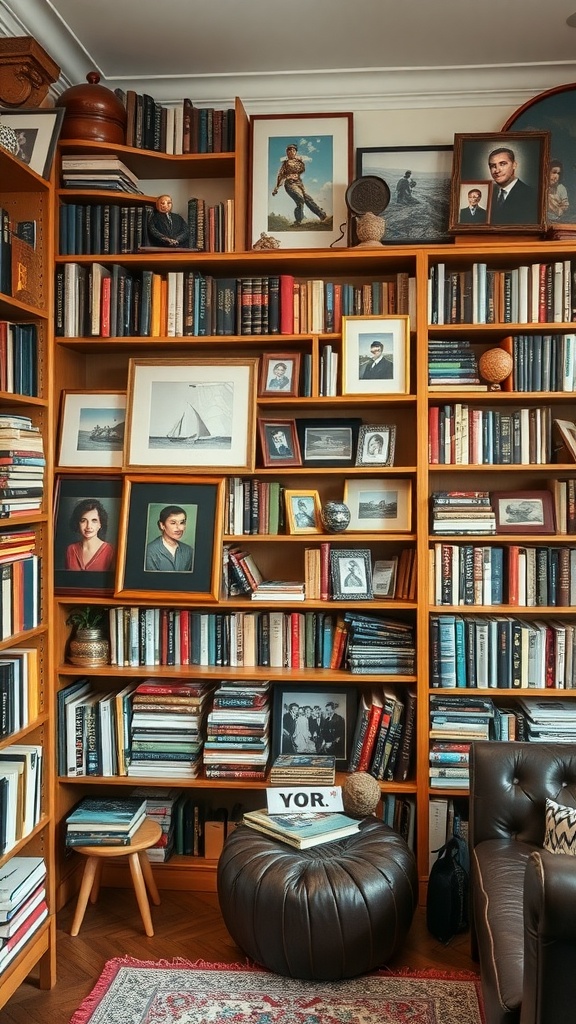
(328, 443)
(144, 498)
(279, 374)
(308, 694)
(490, 162)
(523, 511)
(285, 451)
(76, 496)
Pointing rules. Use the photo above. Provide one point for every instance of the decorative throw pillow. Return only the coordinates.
(560, 834)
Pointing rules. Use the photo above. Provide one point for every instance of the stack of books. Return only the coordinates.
(462, 512)
(279, 590)
(303, 830)
(167, 728)
(237, 731)
(98, 171)
(303, 770)
(549, 721)
(21, 482)
(161, 806)
(452, 365)
(378, 645)
(455, 722)
(105, 822)
(23, 904)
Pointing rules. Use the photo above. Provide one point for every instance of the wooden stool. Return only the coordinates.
(146, 836)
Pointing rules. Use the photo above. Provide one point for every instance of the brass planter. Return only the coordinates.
(89, 648)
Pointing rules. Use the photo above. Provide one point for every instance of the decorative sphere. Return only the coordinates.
(335, 516)
(360, 795)
(495, 365)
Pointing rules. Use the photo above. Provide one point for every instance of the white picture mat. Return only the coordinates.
(358, 494)
(359, 333)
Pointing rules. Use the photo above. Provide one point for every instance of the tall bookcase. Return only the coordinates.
(28, 197)
(93, 363)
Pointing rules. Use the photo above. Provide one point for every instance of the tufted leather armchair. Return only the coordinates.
(523, 899)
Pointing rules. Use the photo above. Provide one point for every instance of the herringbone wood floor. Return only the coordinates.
(187, 925)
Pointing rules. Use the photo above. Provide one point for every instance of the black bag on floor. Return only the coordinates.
(447, 900)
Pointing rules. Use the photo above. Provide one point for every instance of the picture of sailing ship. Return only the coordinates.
(203, 416)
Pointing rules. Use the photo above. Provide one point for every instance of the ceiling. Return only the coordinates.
(268, 50)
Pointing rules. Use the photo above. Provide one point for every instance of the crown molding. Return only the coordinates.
(332, 90)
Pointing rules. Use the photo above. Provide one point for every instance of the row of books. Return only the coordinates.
(254, 506)
(502, 651)
(541, 362)
(177, 128)
(23, 904)
(447, 816)
(399, 812)
(20, 595)
(98, 171)
(211, 226)
(19, 358)
(534, 293)
(460, 435)
(20, 792)
(522, 575)
(317, 307)
(237, 741)
(462, 512)
(102, 229)
(384, 738)
(18, 688)
(453, 364)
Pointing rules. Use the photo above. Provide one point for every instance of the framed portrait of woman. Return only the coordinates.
(86, 518)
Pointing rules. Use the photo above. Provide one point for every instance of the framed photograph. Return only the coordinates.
(328, 442)
(384, 573)
(553, 111)
(170, 538)
(37, 133)
(279, 443)
(380, 504)
(303, 511)
(92, 428)
(523, 511)
(565, 436)
(194, 414)
(279, 374)
(498, 182)
(300, 166)
(375, 355)
(419, 181)
(351, 574)
(376, 443)
(86, 527)
(311, 719)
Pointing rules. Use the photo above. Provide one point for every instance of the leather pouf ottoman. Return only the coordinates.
(333, 911)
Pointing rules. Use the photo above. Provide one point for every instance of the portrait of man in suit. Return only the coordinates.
(512, 201)
(473, 213)
(379, 366)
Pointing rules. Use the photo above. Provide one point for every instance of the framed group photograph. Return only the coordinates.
(498, 182)
(37, 133)
(380, 504)
(375, 355)
(279, 443)
(303, 511)
(279, 374)
(300, 166)
(376, 444)
(92, 427)
(170, 538)
(328, 442)
(523, 511)
(311, 719)
(351, 574)
(419, 181)
(197, 415)
(86, 529)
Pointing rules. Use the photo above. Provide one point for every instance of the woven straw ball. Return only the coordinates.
(495, 365)
(360, 795)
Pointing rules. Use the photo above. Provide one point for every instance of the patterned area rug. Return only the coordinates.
(177, 992)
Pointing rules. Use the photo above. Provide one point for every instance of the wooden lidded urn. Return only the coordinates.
(92, 113)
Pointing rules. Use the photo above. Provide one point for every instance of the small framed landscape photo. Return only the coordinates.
(351, 574)
(279, 374)
(328, 442)
(303, 511)
(37, 134)
(376, 443)
(375, 355)
(380, 504)
(196, 415)
(279, 443)
(92, 429)
(499, 182)
(86, 527)
(309, 719)
(523, 511)
(170, 538)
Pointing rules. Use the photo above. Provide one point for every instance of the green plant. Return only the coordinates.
(90, 617)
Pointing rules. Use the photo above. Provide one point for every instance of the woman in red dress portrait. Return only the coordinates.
(92, 553)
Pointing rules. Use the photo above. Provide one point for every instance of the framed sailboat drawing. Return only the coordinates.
(194, 414)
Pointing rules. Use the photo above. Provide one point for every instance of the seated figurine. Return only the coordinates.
(166, 228)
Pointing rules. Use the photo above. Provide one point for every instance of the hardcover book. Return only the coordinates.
(302, 830)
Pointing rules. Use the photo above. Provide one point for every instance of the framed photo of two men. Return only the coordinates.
(499, 183)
